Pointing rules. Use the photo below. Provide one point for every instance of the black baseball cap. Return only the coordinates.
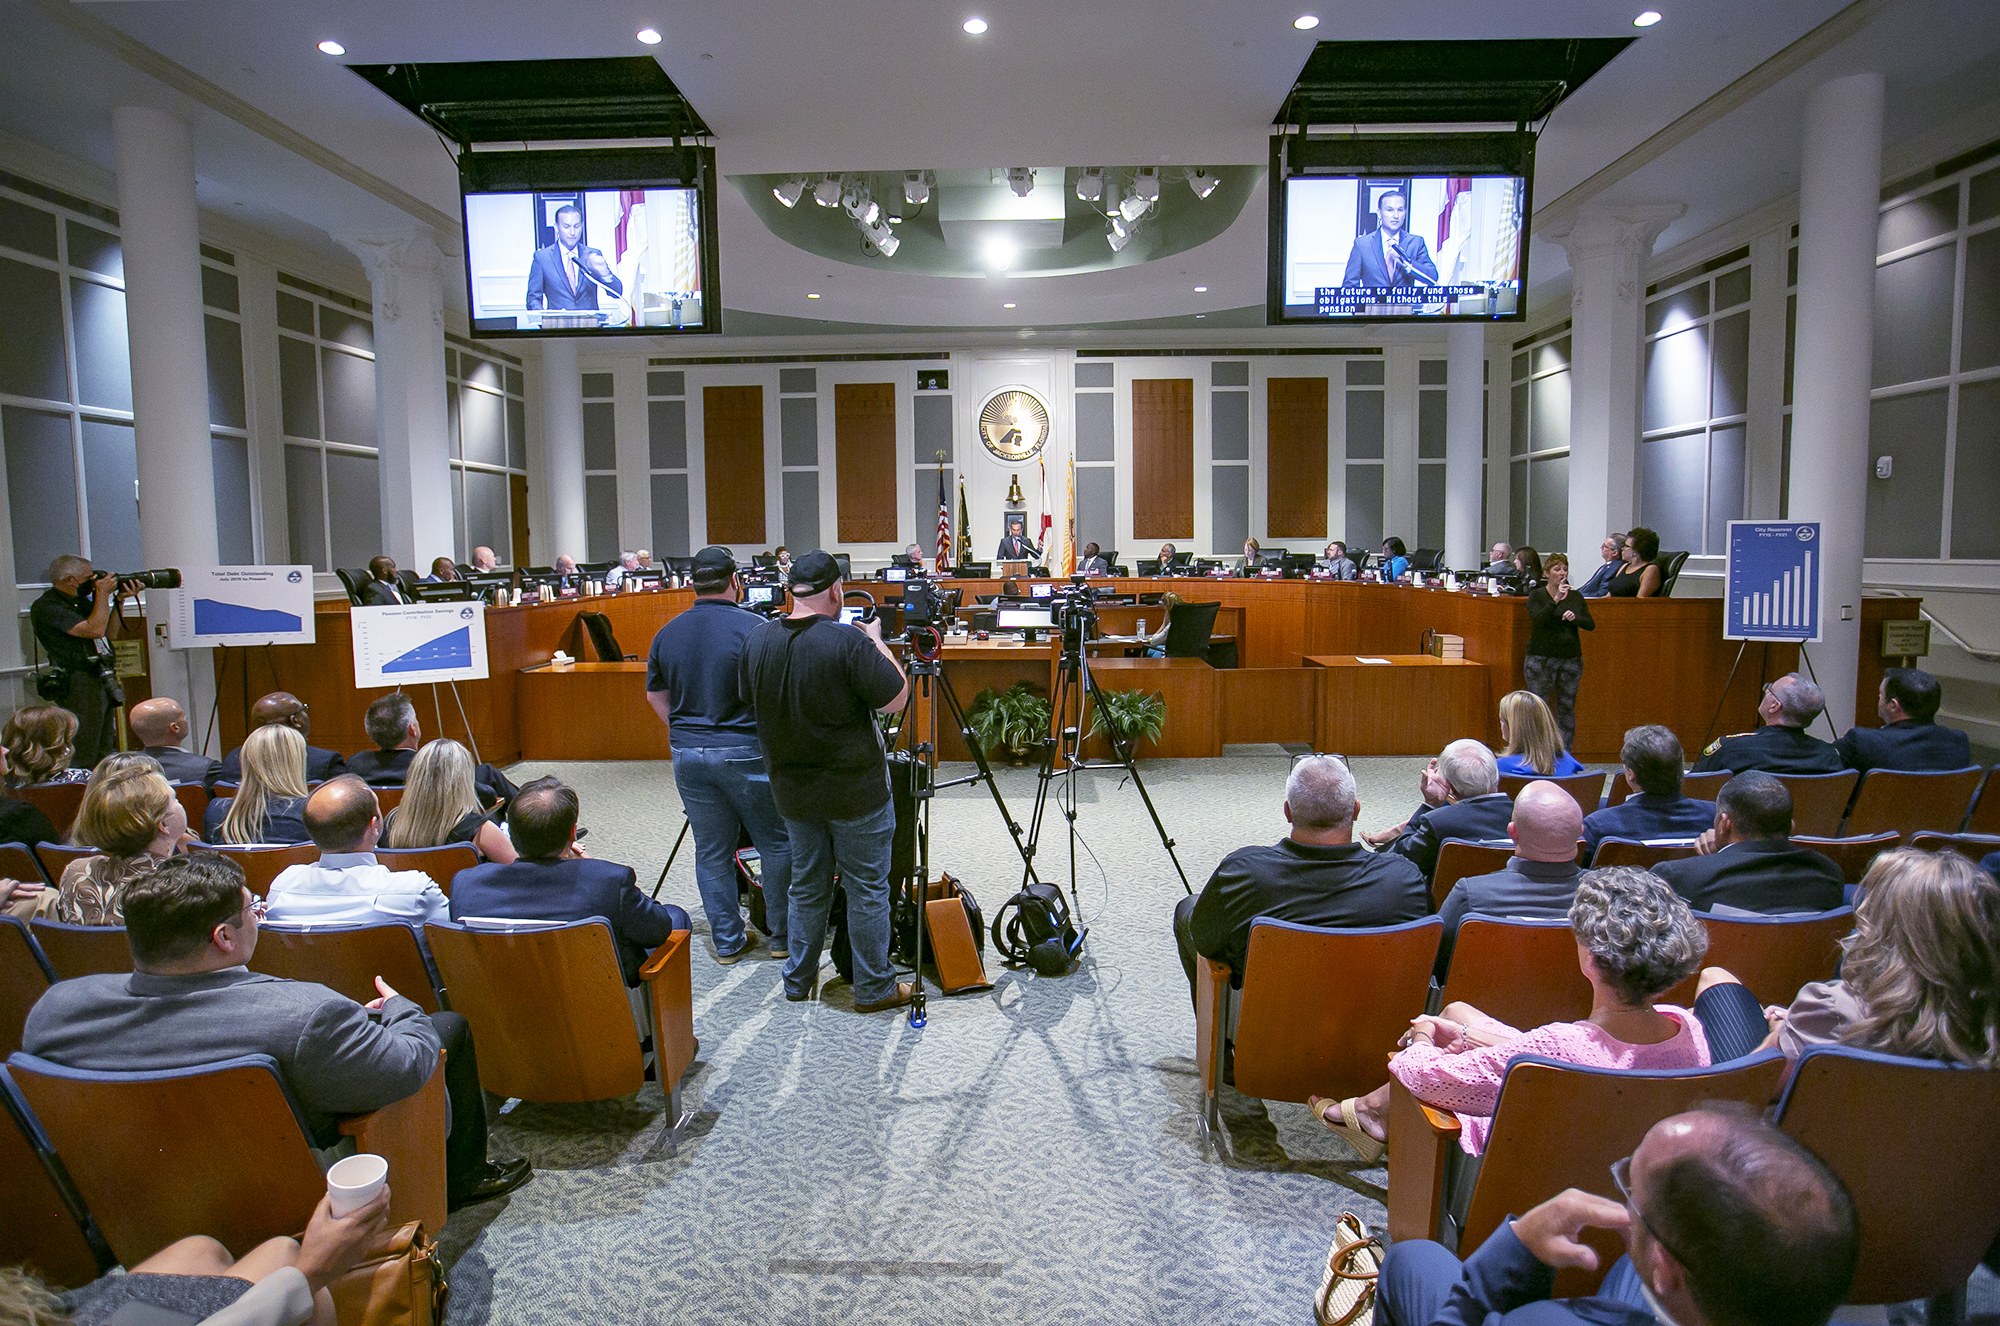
(814, 573)
(713, 564)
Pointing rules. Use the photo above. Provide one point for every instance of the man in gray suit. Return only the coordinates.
(1540, 879)
(191, 999)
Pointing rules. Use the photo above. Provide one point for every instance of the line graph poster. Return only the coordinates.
(1773, 585)
(406, 643)
(242, 605)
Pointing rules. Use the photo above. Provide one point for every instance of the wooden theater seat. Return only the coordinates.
(1586, 787)
(1630, 852)
(1523, 972)
(58, 801)
(1852, 855)
(194, 800)
(1819, 800)
(1900, 801)
(442, 864)
(263, 864)
(25, 975)
(55, 858)
(18, 862)
(1974, 846)
(1459, 859)
(1984, 817)
(1774, 956)
(157, 1156)
(1704, 786)
(348, 958)
(83, 950)
(44, 1229)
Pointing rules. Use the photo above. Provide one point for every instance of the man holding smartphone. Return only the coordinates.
(71, 620)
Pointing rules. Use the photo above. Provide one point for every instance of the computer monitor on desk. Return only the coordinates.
(447, 591)
(973, 570)
(1015, 617)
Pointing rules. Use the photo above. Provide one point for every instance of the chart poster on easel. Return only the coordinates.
(241, 605)
(406, 643)
(1773, 583)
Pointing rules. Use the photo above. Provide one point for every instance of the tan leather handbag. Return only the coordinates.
(400, 1284)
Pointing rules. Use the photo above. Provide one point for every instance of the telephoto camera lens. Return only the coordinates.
(170, 578)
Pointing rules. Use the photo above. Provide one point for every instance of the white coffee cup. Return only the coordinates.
(352, 1183)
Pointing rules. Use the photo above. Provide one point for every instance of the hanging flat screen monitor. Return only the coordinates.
(1396, 228)
(591, 243)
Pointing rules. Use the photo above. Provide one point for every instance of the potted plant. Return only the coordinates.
(1009, 721)
(1134, 715)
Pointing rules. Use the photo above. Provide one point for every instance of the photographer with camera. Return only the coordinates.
(71, 620)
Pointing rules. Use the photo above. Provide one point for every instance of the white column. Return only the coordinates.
(406, 283)
(1840, 178)
(163, 318)
(1399, 444)
(562, 449)
(1464, 420)
(1607, 247)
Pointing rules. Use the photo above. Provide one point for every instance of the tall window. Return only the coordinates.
(1538, 464)
(333, 474)
(489, 450)
(228, 413)
(1692, 475)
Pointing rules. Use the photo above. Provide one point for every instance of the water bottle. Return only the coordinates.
(1141, 632)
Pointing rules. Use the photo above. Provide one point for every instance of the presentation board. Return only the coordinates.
(1772, 589)
(241, 605)
(408, 643)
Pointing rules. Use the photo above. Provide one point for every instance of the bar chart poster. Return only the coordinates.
(1773, 581)
(241, 605)
(406, 643)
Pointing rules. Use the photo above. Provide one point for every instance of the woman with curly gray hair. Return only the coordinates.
(1635, 940)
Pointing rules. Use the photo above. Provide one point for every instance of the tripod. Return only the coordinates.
(1075, 686)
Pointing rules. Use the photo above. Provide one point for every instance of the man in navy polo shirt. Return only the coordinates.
(718, 767)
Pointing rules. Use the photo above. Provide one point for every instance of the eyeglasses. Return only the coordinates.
(1317, 755)
(1621, 1178)
(257, 909)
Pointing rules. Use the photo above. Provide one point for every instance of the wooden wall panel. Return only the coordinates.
(1295, 493)
(733, 452)
(1162, 459)
(864, 448)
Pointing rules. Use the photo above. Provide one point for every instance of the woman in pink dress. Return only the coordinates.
(1635, 940)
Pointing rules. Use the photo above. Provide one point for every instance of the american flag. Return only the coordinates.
(944, 522)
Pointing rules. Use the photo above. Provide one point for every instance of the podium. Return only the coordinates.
(1011, 570)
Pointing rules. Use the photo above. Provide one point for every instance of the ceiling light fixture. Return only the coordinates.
(1117, 238)
(999, 253)
(887, 243)
(651, 36)
(1132, 207)
(1306, 22)
(916, 189)
(975, 26)
(1006, 306)
(331, 47)
(1021, 179)
(790, 192)
(1201, 290)
(1647, 19)
(1146, 183)
(827, 192)
(812, 296)
(1202, 183)
(1090, 184)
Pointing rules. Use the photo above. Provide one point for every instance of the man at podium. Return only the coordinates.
(565, 275)
(1015, 546)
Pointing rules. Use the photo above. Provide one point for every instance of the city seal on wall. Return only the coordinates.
(1014, 424)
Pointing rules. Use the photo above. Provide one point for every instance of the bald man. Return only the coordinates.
(283, 707)
(484, 560)
(1725, 1219)
(347, 885)
(1539, 879)
(162, 725)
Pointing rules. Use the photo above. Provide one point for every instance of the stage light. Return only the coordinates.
(999, 254)
(888, 244)
(1647, 19)
(332, 48)
(1306, 22)
(651, 36)
(1132, 207)
(1202, 183)
(975, 26)
(1120, 227)
(827, 192)
(1117, 239)
(1090, 185)
(790, 192)
(1021, 179)
(916, 189)
(865, 210)
(1146, 183)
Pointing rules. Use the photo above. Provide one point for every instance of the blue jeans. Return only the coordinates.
(860, 848)
(724, 790)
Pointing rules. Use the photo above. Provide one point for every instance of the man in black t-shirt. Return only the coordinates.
(816, 686)
(70, 620)
(692, 684)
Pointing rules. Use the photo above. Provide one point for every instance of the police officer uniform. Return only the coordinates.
(1773, 748)
(1908, 745)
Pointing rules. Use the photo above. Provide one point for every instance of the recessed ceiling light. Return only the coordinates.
(1647, 19)
(999, 253)
(812, 296)
(1201, 290)
(651, 36)
(332, 48)
(975, 26)
(1006, 306)
(1306, 22)
(1201, 315)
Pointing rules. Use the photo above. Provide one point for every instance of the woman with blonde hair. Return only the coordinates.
(440, 806)
(1534, 743)
(130, 812)
(269, 805)
(40, 738)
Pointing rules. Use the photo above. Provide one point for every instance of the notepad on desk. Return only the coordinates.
(1383, 661)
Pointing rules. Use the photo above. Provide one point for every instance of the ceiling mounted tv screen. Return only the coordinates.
(591, 243)
(1395, 228)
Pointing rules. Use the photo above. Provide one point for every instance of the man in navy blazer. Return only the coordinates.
(555, 881)
(1725, 1219)
(565, 275)
(1909, 738)
(1389, 255)
(1748, 860)
(1653, 763)
(282, 707)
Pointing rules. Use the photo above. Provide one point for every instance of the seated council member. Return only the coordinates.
(1093, 563)
(1910, 737)
(1395, 559)
(1167, 556)
(288, 709)
(1534, 743)
(627, 564)
(161, 725)
(1652, 763)
(1253, 557)
(1748, 861)
(484, 560)
(1500, 558)
(442, 805)
(348, 885)
(1462, 799)
(1317, 875)
(1599, 583)
(269, 805)
(382, 589)
(1527, 569)
(1639, 576)
(1336, 563)
(1539, 880)
(443, 571)
(1781, 745)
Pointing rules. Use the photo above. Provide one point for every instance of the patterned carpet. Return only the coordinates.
(1029, 1156)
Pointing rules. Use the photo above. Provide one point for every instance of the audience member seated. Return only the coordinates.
(1781, 745)
(1652, 766)
(1909, 737)
(1461, 800)
(270, 801)
(1639, 575)
(393, 726)
(1748, 861)
(1599, 583)
(40, 738)
(280, 1282)
(628, 562)
(161, 724)
(442, 571)
(1534, 742)
(130, 813)
(1635, 941)
(1539, 882)
(1727, 1222)
(288, 709)
(555, 881)
(22, 823)
(1317, 875)
(383, 589)
(441, 804)
(1920, 978)
(347, 885)
(191, 999)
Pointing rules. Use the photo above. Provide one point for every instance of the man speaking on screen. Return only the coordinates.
(1389, 255)
(565, 275)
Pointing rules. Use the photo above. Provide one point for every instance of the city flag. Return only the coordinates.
(944, 523)
(1069, 524)
(964, 528)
